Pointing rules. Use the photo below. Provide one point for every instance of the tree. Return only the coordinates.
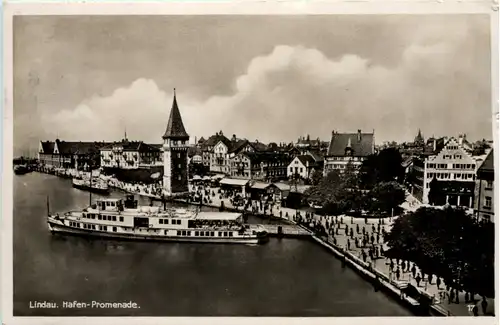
(384, 166)
(433, 195)
(326, 190)
(316, 177)
(384, 197)
(448, 243)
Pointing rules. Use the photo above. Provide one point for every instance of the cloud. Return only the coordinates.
(294, 90)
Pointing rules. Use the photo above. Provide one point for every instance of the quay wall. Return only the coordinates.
(378, 279)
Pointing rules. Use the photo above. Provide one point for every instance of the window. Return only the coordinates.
(93, 216)
(230, 234)
(114, 218)
(173, 221)
(220, 233)
(178, 222)
(212, 233)
(99, 217)
(189, 233)
(202, 233)
(487, 202)
(489, 184)
(183, 233)
(301, 169)
(178, 155)
(121, 219)
(196, 233)
(161, 221)
(178, 232)
(165, 221)
(114, 229)
(225, 233)
(207, 233)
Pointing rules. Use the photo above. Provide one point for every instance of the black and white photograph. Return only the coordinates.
(252, 165)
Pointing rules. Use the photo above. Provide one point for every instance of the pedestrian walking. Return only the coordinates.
(438, 282)
(352, 233)
(392, 265)
(363, 230)
(357, 228)
(398, 274)
(348, 244)
(430, 278)
(417, 278)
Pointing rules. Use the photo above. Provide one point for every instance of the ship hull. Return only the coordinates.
(57, 227)
(91, 189)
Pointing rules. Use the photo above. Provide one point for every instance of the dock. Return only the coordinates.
(286, 230)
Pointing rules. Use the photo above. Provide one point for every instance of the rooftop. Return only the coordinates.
(175, 127)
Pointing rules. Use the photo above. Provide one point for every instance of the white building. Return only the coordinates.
(348, 148)
(454, 169)
(302, 166)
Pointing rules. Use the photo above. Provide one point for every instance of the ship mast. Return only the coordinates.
(90, 192)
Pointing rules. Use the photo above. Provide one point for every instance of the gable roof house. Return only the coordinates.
(303, 166)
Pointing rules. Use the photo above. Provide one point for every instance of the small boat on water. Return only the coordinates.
(116, 218)
(21, 169)
(93, 184)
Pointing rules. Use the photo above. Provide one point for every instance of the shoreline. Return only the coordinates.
(374, 276)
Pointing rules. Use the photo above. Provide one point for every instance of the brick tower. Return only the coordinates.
(175, 159)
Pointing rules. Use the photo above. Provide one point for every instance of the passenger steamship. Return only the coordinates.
(126, 220)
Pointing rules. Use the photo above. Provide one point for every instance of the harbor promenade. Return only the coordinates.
(361, 239)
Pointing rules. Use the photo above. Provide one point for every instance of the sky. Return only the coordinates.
(265, 78)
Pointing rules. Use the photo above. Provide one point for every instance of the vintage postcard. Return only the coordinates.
(249, 160)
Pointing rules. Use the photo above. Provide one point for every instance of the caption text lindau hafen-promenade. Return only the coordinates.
(415, 219)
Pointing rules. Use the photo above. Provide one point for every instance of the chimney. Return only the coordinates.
(333, 132)
(359, 135)
(234, 138)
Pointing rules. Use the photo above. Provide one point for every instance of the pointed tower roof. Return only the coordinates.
(175, 127)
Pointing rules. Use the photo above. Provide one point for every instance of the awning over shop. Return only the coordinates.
(234, 182)
(206, 178)
(260, 185)
(282, 186)
(196, 178)
(215, 177)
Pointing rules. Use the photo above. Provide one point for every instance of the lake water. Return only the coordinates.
(284, 277)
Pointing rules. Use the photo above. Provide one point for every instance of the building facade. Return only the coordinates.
(259, 165)
(70, 155)
(347, 148)
(302, 167)
(130, 155)
(175, 154)
(452, 173)
(484, 207)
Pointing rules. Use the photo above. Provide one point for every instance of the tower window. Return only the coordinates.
(178, 155)
(180, 177)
